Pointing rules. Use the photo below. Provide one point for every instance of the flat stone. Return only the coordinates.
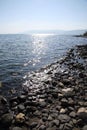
(64, 118)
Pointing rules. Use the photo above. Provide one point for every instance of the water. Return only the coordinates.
(20, 54)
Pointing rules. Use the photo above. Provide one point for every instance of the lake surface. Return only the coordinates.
(20, 54)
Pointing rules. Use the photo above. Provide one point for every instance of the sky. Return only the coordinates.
(17, 16)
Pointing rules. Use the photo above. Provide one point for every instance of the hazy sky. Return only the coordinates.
(24, 15)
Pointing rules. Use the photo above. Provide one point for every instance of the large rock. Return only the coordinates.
(82, 113)
(85, 127)
(6, 119)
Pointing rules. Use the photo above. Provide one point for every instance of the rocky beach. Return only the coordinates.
(53, 98)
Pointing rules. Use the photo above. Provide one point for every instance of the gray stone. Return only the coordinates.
(85, 127)
(42, 104)
(7, 119)
(72, 114)
(21, 107)
(56, 122)
(64, 102)
(50, 118)
(64, 118)
(42, 127)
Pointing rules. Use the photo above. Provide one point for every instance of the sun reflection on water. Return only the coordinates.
(39, 47)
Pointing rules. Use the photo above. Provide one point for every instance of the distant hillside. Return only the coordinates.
(59, 32)
(85, 34)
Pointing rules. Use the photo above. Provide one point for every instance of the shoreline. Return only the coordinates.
(53, 98)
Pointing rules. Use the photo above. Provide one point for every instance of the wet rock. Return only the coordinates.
(42, 127)
(64, 118)
(6, 119)
(20, 118)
